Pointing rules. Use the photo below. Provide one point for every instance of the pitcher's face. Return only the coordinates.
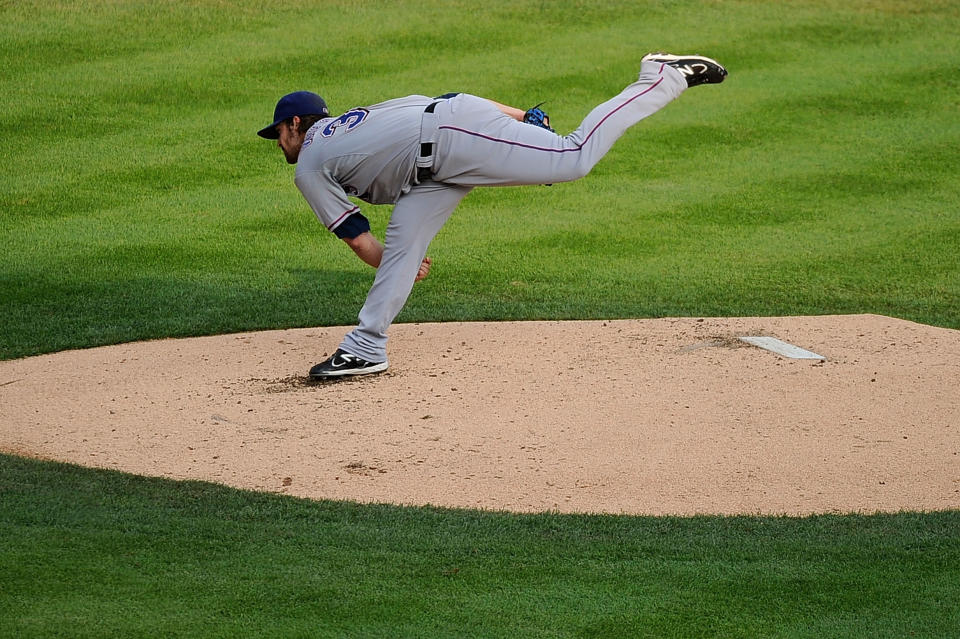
(290, 140)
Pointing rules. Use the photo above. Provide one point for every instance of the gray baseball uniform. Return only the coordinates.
(425, 159)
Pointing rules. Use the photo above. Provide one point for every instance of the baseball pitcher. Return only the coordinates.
(423, 155)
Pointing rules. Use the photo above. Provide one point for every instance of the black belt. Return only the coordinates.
(424, 173)
(426, 150)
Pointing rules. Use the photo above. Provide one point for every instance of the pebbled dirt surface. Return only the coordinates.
(664, 416)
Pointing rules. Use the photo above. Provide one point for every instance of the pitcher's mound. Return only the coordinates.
(666, 416)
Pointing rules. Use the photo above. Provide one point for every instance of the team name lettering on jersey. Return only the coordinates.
(348, 121)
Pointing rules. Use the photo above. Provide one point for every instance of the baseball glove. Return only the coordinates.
(538, 117)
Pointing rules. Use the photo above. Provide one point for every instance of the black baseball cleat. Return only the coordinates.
(697, 69)
(343, 363)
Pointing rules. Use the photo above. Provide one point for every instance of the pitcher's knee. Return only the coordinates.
(573, 172)
(582, 171)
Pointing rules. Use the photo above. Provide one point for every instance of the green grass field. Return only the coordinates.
(137, 202)
(95, 554)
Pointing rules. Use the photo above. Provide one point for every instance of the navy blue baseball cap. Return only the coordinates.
(299, 103)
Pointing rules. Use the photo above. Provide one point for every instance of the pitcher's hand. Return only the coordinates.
(424, 269)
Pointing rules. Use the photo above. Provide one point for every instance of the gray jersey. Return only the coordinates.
(369, 153)
(476, 144)
(464, 141)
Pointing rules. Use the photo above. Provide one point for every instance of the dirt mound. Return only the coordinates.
(666, 416)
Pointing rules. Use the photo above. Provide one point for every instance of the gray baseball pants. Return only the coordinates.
(478, 145)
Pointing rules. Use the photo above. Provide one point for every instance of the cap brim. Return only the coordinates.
(270, 132)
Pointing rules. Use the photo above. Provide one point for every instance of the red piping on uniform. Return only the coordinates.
(540, 148)
(340, 219)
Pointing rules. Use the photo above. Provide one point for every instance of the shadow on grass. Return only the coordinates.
(197, 559)
(46, 314)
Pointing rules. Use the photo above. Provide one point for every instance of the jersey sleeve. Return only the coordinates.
(353, 226)
(326, 197)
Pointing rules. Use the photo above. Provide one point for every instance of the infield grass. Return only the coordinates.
(87, 553)
(136, 202)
